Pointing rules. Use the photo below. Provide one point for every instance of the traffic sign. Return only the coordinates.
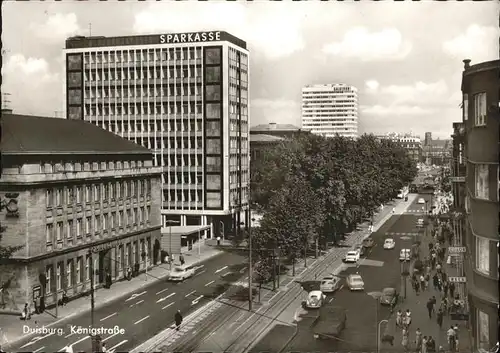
(457, 249)
(457, 279)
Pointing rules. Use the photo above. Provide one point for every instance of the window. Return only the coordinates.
(465, 106)
(148, 213)
(104, 221)
(129, 220)
(120, 219)
(112, 220)
(483, 255)
(112, 191)
(49, 197)
(480, 109)
(79, 269)
(48, 277)
(79, 228)
(59, 275)
(59, 193)
(97, 192)
(69, 229)
(87, 267)
(483, 330)
(212, 56)
(48, 233)
(88, 193)
(88, 225)
(59, 231)
(78, 194)
(70, 195)
(106, 192)
(212, 92)
(69, 273)
(482, 189)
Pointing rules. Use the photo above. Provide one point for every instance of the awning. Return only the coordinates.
(183, 231)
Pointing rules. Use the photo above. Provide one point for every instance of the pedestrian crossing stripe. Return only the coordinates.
(396, 233)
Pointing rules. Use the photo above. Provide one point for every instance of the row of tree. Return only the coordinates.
(312, 190)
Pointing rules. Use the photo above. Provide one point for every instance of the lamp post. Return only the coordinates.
(378, 334)
(170, 222)
(250, 271)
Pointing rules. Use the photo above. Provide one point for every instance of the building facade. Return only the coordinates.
(480, 90)
(76, 197)
(330, 109)
(428, 139)
(437, 152)
(409, 142)
(273, 129)
(185, 97)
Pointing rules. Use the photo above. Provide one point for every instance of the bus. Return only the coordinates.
(403, 192)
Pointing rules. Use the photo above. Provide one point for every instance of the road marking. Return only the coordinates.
(80, 340)
(109, 337)
(39, 349)
(238, 319)
(194, 302)
(33, 341)
(331, 299)
(139, 302)
(225, 274)
(273, 297)
(243, 269)
(168, 306)
(141, 320)
(221, 269)
(71, 334)
(199, 273)
(187, 295)
(107, 317)
(165, 298)
(135, 296)
(163, 290)
(244, 322)
(118, 345)
(209, 283)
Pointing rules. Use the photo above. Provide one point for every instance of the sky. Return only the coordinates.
(405, 58)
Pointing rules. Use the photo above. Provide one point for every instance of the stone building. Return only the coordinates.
(78, 197)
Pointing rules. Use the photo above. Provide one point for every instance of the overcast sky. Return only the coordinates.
(404, 58)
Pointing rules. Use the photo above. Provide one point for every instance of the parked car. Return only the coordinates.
(352, 256)
(355, 282)
(180, 273)
(389, 296)
(361, 249)
(389, 243)
(368, 243)
(421, 201)
(330, 284)
(315, 299)
(404, 255)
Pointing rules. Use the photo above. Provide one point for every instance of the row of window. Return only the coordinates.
(125, 91)
(77, 166)
(161, 72)
(70, 195)
(76, 272)
(59, 232)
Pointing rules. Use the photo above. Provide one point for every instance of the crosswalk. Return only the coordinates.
(397, 233)
(415, 211)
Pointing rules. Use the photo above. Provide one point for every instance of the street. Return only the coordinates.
(144, 313)
(380, 269)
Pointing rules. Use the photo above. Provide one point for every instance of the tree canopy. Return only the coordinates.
(312, 188)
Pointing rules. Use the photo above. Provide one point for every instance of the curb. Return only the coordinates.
(101, 304)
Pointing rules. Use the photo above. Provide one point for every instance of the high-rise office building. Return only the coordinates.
(330, 109)
(185, 97)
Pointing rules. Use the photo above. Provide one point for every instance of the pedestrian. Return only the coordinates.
(416, 286)
(103, 348)
(431, 345)
(452, 337)
(427, 278)
(393, 209)
(404, 343)
(435, 281)
(407, 319)
(424, 345)
(445, 304)
(430, 307)
(451, 288)
(445, 288)
(431, 246)
(181, 259)
(440, 317)
(399, 318)
(178, 320)
(440, 284)
(422, 282)
(418, 339)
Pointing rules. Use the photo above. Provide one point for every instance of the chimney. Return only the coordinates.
(6, 111)
(466, 64)
(272, 126)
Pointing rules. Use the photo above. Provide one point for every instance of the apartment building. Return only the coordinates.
(408, 141)
(330, 109)
(185, 97)
(77, 196)
(478, 145)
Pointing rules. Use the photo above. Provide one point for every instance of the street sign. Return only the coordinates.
(456, 249)
(457, 279)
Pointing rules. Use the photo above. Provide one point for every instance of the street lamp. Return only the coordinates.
(170, 222)
(250, 271)
(377, 296)
(378, 334)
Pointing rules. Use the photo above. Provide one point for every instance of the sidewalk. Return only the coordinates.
(420, 318)
(11, 326)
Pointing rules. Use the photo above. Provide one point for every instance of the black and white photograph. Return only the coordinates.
(249, 176)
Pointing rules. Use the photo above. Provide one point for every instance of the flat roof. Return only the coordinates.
(154, 39)
(264, 138)
(182, 230)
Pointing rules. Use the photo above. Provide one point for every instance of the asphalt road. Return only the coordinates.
(145, 312)
(380, 269)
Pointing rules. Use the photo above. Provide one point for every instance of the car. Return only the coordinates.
(389, 243)
(315, 299)
(352, 256)
(421, 201)
(180, 273)
(361, 249)
(389, 296)
(368, 243)
(330, 284)
(404, 255)
(355, 282)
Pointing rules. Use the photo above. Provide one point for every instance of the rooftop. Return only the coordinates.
(28, 134)
(264, 138)
(274, 127)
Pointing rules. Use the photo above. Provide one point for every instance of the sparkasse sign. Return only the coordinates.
(190, 37)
